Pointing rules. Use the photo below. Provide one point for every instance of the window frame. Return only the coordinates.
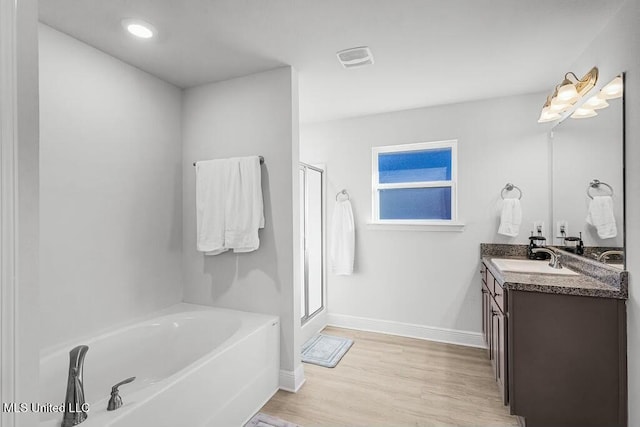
(418, 146)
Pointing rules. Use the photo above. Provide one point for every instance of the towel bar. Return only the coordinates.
(510, 187)
(343, 192)
(261, 161)
(596, 184)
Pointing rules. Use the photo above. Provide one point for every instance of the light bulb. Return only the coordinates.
(596, 103)
(557, 106)
(546, 115)
(583, 113)
(139, 28)
(613, 89)
(567, 91)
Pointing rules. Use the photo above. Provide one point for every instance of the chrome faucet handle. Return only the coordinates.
(116, 401)
(555, 257)
(557, 263)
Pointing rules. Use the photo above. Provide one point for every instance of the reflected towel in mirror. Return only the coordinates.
(600, 215)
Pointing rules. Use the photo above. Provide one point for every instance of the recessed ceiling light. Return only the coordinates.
(139, 28)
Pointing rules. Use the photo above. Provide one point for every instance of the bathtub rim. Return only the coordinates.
(181, 307)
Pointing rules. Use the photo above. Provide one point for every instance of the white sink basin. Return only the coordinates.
(530, 266)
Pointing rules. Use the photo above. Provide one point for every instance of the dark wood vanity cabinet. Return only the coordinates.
(498, 327)
(559, 360)
(494, 327)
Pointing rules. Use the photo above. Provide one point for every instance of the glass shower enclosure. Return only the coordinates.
(311, 241)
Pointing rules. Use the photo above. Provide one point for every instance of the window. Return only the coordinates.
(415, 183)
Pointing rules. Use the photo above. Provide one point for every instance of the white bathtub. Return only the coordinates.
(194, 366)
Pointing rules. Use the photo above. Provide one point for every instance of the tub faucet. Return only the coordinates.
(74, 403)
(116, 401)
(555, 258)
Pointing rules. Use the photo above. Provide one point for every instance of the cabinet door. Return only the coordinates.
(486, 319)
(498, 334)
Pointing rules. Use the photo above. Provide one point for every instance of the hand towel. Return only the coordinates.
(600, 215)
(212, 181)
(244, 207)
(510, 218)
(342, 239)
(229, 205)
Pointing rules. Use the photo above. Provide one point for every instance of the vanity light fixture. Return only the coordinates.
(612, 90)
(583, 113)
(551, 110)
(567, 91)
(567, 94)
(139, 28)
(596, 103)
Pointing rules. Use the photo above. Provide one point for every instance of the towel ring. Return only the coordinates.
(344, 193)
(511, 187)
(596, 184)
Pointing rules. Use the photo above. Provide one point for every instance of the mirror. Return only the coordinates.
(588, 182)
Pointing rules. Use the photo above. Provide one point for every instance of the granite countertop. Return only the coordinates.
(581, 284)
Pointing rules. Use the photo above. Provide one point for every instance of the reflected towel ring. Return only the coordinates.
(596, 184)
(344, 193)
(511, 187)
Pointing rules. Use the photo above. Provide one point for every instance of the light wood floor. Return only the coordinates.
(385, 380)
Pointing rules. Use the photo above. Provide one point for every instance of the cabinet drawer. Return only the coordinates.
(483, 272)
(491, 283)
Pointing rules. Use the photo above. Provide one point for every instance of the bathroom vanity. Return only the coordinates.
(557, 342)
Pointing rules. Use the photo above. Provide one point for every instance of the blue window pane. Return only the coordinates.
(415, 166)
(416, 203)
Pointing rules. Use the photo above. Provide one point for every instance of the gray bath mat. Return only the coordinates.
(325, 350)
(264, 420)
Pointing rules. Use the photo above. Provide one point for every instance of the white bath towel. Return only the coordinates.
(342, 239)
(212, 182)
(244, 207)
(600, 215)
(510, 218)
(229, 207)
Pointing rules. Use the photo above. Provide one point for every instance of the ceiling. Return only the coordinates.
(427, 52)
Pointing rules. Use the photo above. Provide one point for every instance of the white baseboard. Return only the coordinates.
(291, 381)
(430, 333)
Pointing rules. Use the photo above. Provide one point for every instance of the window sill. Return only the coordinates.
(417, 226)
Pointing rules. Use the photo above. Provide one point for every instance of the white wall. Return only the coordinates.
(430, 279)
(19, 201)
(111, 207)
(252, 115)
(614, 50)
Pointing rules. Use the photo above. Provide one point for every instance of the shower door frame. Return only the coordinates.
(305, 309)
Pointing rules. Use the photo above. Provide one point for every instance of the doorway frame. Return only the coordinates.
(19, 209)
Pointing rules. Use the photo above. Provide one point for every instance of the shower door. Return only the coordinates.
(311, 241)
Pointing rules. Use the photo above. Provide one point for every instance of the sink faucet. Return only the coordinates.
(604, 255)
(555, 258)
(74, 402)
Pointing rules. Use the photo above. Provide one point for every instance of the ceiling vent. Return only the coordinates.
(355, 57)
